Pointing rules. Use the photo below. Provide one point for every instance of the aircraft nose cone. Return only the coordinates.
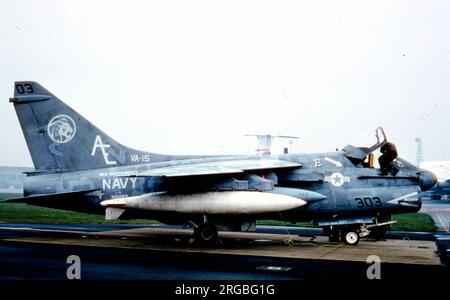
(427, 180)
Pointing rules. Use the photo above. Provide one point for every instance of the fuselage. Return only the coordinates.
(351, 191)
(81, 168)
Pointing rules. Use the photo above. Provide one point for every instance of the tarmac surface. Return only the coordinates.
(439, 210)
(162, 252)
(167, 253)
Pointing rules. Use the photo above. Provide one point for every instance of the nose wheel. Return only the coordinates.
(350, 237)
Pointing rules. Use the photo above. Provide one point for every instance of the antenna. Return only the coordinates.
(419, 153)
(265, 142)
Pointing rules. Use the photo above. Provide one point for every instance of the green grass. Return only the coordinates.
(9, 196)
(413, 222)
(23, 213)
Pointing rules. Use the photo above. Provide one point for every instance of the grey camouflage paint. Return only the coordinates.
(70, 154)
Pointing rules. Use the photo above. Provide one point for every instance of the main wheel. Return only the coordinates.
(350, 237)
(206, 233)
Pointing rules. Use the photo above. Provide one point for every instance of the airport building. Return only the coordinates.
(11, 179)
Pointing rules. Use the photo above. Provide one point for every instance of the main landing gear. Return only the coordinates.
(206, 233)
(351, 234)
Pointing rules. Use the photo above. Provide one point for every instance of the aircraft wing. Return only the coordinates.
(218, 168)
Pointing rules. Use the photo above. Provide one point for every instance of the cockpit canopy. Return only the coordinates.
(369, 142)
(368, 145)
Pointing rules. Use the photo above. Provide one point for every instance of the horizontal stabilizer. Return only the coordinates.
(56, 196)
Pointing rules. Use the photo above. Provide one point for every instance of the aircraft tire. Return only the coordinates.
(350, 237)
(206, 233)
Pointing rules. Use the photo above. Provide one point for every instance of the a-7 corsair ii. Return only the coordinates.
(80, 168)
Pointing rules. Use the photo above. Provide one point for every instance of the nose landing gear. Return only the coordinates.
(347, 235)
(350, 237)
(351, 234)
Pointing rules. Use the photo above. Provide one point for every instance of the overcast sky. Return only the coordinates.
(192, 77)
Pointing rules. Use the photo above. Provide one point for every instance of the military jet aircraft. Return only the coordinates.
(441, 191)
(80, 168)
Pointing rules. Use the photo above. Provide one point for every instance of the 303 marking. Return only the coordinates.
(367, 202)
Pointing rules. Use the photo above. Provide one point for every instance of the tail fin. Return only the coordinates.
(60, 139)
